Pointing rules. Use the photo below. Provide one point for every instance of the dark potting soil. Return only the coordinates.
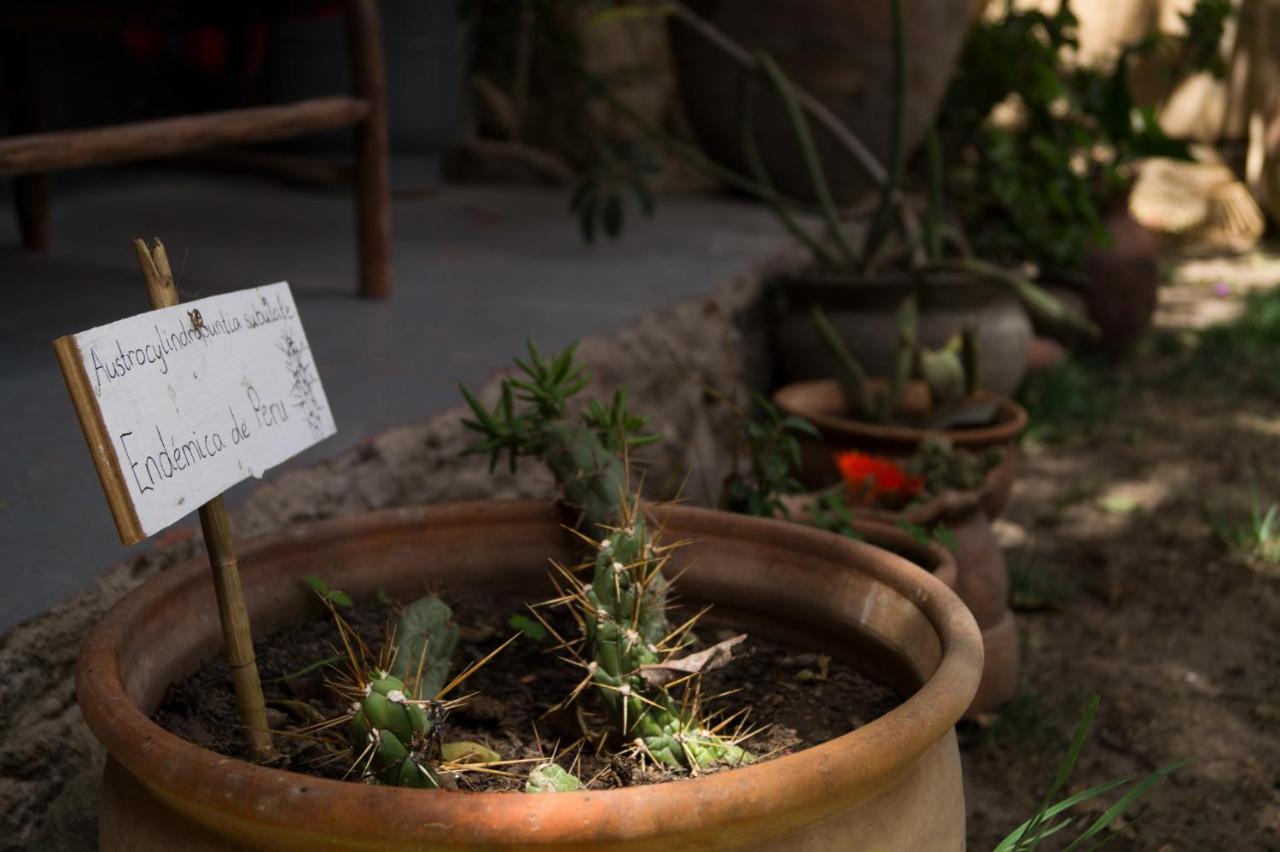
(796, 697)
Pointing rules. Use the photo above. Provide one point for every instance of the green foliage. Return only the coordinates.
(944, 467)
(1257, 536)
(550, 778)
(1045, 822)
(1202, 44)
(1040, 184)
(425, 638)
(584, 454)
(530, 627)
(1243, 354)
(333, 596)
(600, 198)
(1069, 401)
(1263, 533)
(831, 512)
(1036, 588)
(941, 534)
(773, 454)
(394, 734)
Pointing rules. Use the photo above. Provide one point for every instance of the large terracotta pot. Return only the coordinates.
(840, 51)
(862, 313)
(893, 784)
(822, 403)
(983, 584)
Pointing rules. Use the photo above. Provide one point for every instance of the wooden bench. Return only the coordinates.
(30, 156)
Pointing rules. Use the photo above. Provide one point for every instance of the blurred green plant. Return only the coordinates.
(773, 456)
(1034, 587)
(1037, 182)
(1244, 353)
(322, 590)
(1051, 816)
(1069, 401)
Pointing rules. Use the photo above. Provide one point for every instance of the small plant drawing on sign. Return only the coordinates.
(304, 379)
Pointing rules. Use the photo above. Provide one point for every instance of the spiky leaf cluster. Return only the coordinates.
(773, 456)
(584, 453)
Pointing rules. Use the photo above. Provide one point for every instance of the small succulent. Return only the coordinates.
(394, 734)
(551, 778)
(951, 374)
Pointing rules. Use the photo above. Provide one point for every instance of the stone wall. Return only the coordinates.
(50, 763)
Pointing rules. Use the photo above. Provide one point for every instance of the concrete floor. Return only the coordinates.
(476, 270)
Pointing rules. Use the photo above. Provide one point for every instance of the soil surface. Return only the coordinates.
(795, 697)
(1141, 576)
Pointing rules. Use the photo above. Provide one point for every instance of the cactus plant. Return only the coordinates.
(629, 652)
(950, 374)
(584, 455)
(425, 639)
(551, 778)
(623, 609)
(398, 738)
(397, 710)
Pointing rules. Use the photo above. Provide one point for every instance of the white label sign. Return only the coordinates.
(181, 403)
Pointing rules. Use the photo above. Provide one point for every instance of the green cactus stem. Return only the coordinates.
(551, 778)
(623, 610)
(425, 640)
(393, 735)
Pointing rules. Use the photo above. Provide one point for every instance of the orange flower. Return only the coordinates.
(875, 480)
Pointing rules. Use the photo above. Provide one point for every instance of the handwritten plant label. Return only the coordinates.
(181, 403)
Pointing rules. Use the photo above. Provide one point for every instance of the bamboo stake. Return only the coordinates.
(232, 611)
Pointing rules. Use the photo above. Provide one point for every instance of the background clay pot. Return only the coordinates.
(1122, 283)
(894, 784)
(840, 52)
(929, 555)
(822, 403)
(983, 584)
(862, 313)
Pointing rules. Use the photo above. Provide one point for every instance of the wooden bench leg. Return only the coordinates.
(372, 171)
(31, 193)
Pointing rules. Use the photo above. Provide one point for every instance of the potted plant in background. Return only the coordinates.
(895, 782)
(1046, 148)
(767, 486)
(858, 279)
(941, 492)
(929, 392)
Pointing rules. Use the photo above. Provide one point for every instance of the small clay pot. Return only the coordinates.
(892, 784)
(822, 403)
(929, 555)
(983, 584)
(862, 311)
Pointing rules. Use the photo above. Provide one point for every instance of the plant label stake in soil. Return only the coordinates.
(179, 404)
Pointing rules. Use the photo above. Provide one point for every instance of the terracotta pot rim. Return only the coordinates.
(882, 533)
(794, 398)
(881, 749)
